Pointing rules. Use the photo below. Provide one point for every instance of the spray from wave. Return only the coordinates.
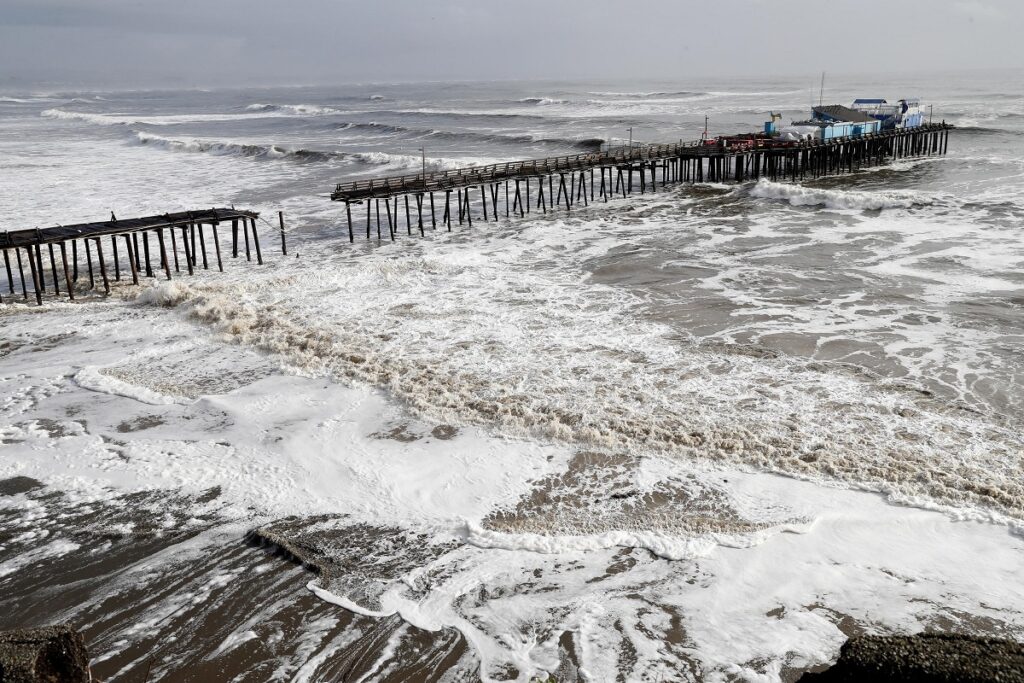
(469, 135)
(396, 162)
(797, 195)
(233, 148)
(98, 119)
(544, 101)
(296, 109)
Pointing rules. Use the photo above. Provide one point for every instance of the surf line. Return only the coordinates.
(727, 158)
(191, 226)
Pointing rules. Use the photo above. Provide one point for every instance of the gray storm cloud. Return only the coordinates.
(221, 42)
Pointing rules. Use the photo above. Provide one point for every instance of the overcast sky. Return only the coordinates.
(218, 42)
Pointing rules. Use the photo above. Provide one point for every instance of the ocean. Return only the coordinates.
(703, 433)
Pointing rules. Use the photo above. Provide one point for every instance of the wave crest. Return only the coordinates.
(297, 109)
(798, 195)
(233, 148)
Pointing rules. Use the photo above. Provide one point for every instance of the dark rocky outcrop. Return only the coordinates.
(925, 658)
(52, 654)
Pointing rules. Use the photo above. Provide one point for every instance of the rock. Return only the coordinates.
(52, 654)
(925, 658)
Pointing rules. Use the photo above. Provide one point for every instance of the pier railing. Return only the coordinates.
(565, 180)
(450, 179)
(358, 190)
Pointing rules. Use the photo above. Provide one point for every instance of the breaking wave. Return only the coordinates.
(299, 109)
(676, 93)
(234, 148)
(470, 135)
(543, 100)
(98, 119)
(638, 392)
(798, 195)
(397, 162)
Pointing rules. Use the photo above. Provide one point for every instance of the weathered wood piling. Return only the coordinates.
(609, 174)
(196, 229)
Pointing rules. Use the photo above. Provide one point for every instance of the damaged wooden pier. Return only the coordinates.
(564, 181)
(197, 231)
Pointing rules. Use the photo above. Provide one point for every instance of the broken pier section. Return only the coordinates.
(197, 231)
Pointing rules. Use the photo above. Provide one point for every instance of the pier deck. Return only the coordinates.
(190, 226)
(730, 158)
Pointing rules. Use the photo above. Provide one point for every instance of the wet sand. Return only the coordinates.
(200, 600)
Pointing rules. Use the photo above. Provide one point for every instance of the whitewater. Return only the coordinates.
(706, 433)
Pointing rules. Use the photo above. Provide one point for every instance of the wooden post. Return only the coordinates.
(256, 242)
(117, 259)
(39, 266)
(145, 250)
(163, 252)
(348, 213)
(448, 209)
(419, 212)
(10, 275)
(174, 248)
(245, 233)
(483, 200)
(35, 276)
(188, 252)
(88, 258)
(135, 248)
(280, 219)
(103, 266)
(53, 269)
(131, 258)
(469, 213)
(387, 208)
(408, 219)
(21, 273)
(376, 204)
(433, 219)
(216, 246)
(369, 212)
(234, 233)
(67, 272)
(202, 245)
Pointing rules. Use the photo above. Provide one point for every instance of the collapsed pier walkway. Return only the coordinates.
(23, 248)
(564, 181)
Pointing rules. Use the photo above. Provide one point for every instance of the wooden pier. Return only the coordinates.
(547, 184)
(197, 230)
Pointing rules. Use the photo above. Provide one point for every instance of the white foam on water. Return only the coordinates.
(91, 377)
(798, 195)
